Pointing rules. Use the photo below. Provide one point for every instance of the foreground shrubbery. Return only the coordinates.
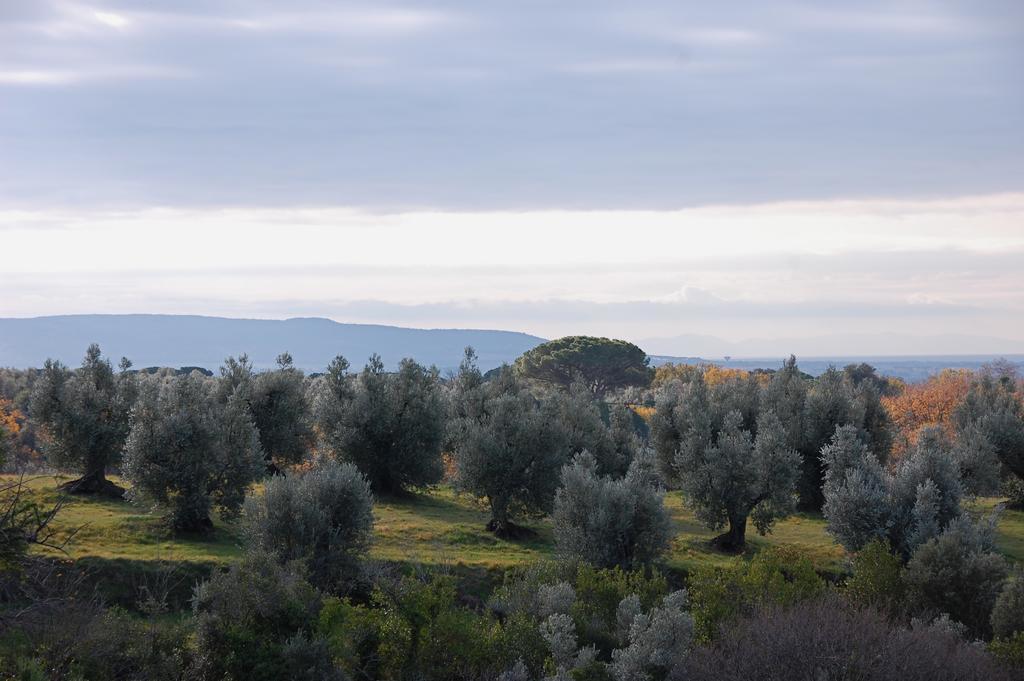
(828, 639)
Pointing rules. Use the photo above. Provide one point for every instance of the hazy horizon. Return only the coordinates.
(838, 176)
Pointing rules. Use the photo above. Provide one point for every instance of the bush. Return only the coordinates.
(1009, 651)
(659, 642)
(958, 573)
(609, 522)
(877, 580)
(779, 576)
(413, 629)
(1008, 612)
(247, 621)
(322, 516)
(826, 639)
(79, 641)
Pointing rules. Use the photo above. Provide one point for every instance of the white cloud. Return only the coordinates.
(111, 19)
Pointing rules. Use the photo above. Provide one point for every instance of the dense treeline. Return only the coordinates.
(300, 459)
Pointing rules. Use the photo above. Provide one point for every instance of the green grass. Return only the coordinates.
(439, 527)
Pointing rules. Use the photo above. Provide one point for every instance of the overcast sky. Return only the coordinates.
(641, 169)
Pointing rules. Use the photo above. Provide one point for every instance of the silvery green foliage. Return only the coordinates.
(322, 517)
(507, 446)
(627, 610)
(976, 458)
(390, 425)
(728, 469)
(555, 599)
(518, 672)
(993, 407)
(659, 641)
(612, 445)
(258, 599)
(188, 452)
(559, 632)
(959, 572)
(1008, 613)
(906, 507)
(85, 413)
(610, 522)
(281, 412)
(942, 624)
(857, 505)
(309, 660)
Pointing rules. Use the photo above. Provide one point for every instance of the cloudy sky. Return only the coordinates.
(742, 170)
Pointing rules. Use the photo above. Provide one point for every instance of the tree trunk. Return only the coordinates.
(500, 524)
(735, 540)
(93, 482)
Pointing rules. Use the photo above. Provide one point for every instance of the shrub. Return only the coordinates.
(1009, 651)
(778, 576)
(413, 629)
(823, 638)
(248, 620)
(958, 573)
(609, 522)
(877, 580)
(1008, 612)
(659, 642)
(322, 517)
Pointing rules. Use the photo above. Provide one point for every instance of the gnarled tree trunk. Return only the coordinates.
(735, 539)
(93, 482)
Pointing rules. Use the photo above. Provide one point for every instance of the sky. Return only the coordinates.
(839, 177)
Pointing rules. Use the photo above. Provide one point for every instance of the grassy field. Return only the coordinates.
(434, 528)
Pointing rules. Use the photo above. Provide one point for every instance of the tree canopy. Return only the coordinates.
(602, 364)
(85, 416)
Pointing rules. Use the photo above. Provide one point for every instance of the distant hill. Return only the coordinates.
(908, 367)
(834, 345)
(186, 340)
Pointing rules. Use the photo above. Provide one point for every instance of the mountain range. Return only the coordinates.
(186, 340)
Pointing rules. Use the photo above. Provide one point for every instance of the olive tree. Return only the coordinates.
(958, 572)
(833, 400)
(281, 412)
(602, 364)
(728, 469)
(993, 409)
(904, 507)
(278, 403)
(189, 453)
(610, 522)
(322, 517)
(390, 425)
(507, 446)
(84, 414)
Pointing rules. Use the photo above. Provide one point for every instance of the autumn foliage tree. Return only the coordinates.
(9, 428)
(931, 402)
